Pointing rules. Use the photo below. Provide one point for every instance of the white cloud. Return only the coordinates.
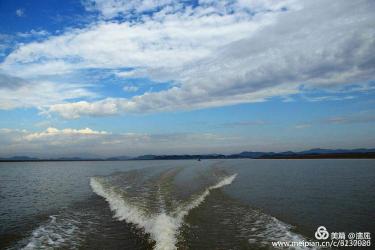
(54, 132)
(33, 33)
(329, 98)
(165, 41)
(16, 92)
(219, 53)
(112, 8)
(20, 12)
(54, 142)
(302, 126)
(173, 99)
(125, 74)
(101, 108)
(276, 61)
(131, 88)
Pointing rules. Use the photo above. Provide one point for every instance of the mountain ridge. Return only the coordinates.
(308, 154)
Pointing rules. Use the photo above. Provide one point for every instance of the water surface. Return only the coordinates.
(211, 204)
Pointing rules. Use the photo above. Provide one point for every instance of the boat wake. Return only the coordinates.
(162, 222)
(164, 208)
(56, 233)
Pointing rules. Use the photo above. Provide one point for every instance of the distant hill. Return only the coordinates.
(118, 158)
(19, 158)
(247, 154)
(316, 153)
(179, 157)
(336, 151)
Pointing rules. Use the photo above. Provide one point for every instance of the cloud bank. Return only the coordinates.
(86, 142)
(216, 53)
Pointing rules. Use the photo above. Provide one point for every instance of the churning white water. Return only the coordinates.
(162, 227)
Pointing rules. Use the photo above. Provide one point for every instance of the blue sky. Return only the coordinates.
(106, 78)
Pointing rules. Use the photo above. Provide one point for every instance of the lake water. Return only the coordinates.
(209, 204)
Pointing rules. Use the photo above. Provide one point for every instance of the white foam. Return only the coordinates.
(183, 211)
(52, 235)
(266, 229)
(163, 228)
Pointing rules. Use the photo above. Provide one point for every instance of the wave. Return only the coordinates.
(163, 226)
(162, 212)
(226, 223)
(56, 233)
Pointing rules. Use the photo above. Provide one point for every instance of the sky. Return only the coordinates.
(102, 78)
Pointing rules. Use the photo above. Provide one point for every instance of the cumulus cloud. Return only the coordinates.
(76, 109)
(217, 53)
(86, 141)
(68, 132)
